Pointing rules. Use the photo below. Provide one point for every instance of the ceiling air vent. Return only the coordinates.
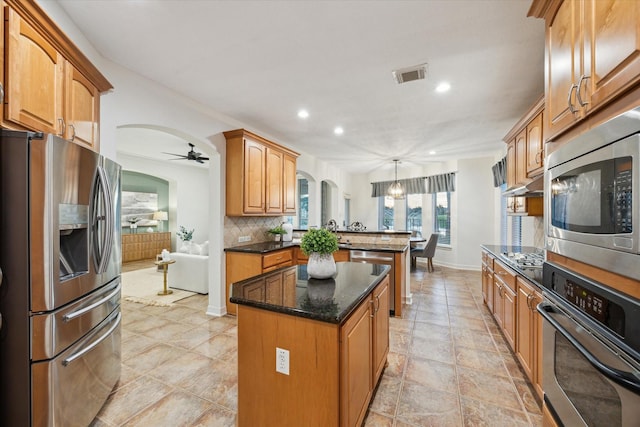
(417, 72)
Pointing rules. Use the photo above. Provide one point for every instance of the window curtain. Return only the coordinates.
(500, 172)
(441, 183)
(410, 185)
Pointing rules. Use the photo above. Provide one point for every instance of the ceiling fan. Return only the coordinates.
(191, 155)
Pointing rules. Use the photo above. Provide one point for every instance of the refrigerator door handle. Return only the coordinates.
(77, 313)
(104, 190)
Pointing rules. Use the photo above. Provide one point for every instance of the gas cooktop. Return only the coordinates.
(526, 260)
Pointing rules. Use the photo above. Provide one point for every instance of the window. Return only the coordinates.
(442, 217)
(414, 212)
(303, 203)
(347, 212)
(385, 213)
(325, 203)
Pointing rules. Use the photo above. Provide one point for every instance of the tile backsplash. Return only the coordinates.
(254, 227)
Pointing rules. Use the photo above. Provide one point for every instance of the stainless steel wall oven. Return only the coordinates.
(591, 359)
(592, 197)
(60, 291)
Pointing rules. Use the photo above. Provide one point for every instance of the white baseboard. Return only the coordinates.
(216, 311)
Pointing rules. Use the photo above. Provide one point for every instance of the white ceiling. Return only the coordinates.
(261, 61)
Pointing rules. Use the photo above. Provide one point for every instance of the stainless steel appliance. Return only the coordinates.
(591, 359)
(384, 258)
(60, 293)
(591, 209)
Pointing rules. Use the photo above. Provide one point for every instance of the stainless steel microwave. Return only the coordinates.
(592, 197)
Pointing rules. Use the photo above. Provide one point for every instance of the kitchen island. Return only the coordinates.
(310, 352)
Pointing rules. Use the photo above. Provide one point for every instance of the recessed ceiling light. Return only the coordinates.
(338, 130)
(303, 114)
(443, 87)
(432, 152)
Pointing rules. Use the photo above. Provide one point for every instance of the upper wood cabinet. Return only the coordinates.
(525, 147)
(592, 56)
(261, 176)
(49, 85)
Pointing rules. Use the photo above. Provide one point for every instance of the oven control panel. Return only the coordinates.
(585, 300)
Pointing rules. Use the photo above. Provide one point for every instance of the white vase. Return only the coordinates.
(276, 237)
(321, 266)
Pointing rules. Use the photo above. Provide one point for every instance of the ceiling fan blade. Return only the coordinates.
(199, 161)
(174, 154)
(203, 158)
(179, 158)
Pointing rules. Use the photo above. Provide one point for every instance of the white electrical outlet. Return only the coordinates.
(282, 361)
(243, 239)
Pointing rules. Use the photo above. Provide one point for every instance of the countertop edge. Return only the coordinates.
(286, 245)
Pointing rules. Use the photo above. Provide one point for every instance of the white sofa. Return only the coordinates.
(190, 272)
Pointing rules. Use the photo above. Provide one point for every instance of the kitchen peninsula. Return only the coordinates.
(311, 352)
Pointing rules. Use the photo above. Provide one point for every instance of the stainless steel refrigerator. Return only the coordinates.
(60, 283)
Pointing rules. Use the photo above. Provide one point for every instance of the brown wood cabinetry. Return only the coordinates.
(525, 206)
(341, 255)
(144, 245)
(529, 333)
(65, 101)
(487, 279)
(504, 300)
(261, 176)
(242, 265)
(525, 147)
(592, 56)
(340, 383)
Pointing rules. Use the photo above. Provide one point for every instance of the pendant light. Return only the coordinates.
(395, 190)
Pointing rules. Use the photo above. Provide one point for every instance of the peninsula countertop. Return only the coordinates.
(327, 300)
(266, 247)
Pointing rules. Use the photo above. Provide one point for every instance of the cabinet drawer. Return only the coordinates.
(505, 275)
(276, 258)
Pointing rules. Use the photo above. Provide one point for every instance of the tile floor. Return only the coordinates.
(448, 364)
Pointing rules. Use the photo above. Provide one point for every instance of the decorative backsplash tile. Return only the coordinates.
(254, 227)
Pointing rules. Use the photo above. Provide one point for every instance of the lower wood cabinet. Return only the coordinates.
(242, 265)
(504, 300)
(144, 245)
(341, 255)
(333, 369)
(487, 279)
(529, 333)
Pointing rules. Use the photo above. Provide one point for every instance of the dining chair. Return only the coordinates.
(427, 252)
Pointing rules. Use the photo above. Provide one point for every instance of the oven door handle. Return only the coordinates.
(626, 379)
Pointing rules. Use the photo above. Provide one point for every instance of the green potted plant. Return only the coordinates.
(277, 232)
(186, 236)
(319, 244)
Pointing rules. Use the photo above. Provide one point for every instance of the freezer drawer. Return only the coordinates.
(54, 331)
(70, 389)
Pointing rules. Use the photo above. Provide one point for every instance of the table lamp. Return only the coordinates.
(160, 217)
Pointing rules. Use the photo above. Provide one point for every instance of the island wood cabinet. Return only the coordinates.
(242, 265)
(341, 255)
(144, 245)
(335, 366)
(261, 176)
(529, 333)
(592, 56)
(65, 101)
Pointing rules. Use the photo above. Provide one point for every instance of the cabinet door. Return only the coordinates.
(564, 65)
(273, 289)
(511, 164)
(255, 292)
(380, 328)
(34, 78)
(509, 319)
(254, 178)
(82, 104)
(289, 184)
(524, 327)
(521, 158)
(498, 302)
(535, 153)
(614, 37)
(274, 181)
(356, 366)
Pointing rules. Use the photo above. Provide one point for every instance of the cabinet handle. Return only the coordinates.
(378, 299)
(62, 126)
(579, 89)
(569, 103)
(73, 129)
(372, 313)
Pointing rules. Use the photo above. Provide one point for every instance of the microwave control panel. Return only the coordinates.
(623, 200)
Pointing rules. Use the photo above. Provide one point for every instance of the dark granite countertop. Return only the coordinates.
(266, 247)
(534, 274)
(328, 300)
(386, 232)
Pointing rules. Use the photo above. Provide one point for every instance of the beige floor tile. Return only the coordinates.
(479, 413)
(216, 416)
(488, 387)
(374, 419)
(396, 363)
(423, 406)
(432, 349)
(131, 399)
(176, 409)
(432, 374)
(385, 400)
